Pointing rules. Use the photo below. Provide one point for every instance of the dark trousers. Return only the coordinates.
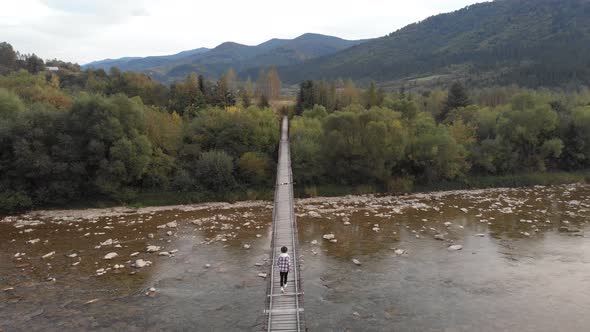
(284, 278)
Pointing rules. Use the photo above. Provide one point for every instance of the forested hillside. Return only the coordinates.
(527, 42)
(213, 63)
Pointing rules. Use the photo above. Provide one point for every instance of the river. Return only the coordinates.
(524, 264)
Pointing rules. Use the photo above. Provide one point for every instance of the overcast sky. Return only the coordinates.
(87, 30)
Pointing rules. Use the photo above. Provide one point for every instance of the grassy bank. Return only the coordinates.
(472, 182)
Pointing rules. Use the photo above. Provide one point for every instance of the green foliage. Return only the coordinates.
(256, 168)
(527, 42)
(10, 105)
(14, 201)
(215, 171)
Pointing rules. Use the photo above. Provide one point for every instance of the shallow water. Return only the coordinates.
(525, 265)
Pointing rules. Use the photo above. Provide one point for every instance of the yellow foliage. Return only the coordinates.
(232, 109)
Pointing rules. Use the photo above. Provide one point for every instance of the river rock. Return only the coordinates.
(448, 223)
(152, 248)
(399, 252)
(107, 242)
(329, 236)
(246, 246)
(172, 224)
(169, 233)
(150, 236)
(33, 241)
(356, 261)
(164, 253)
(480, 235)
(262, 275)
(48, 255)
(207, 266)
(439, 237)
(333, 240)
(74, 255)
(314, 214)
(464, 210)
(111, 255)
(347, 223)
(455, 247)
(346, 219)
(134, 254)
(314, 242)
(140, 263)
(568, 229)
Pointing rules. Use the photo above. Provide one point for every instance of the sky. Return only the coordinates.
(86, 30)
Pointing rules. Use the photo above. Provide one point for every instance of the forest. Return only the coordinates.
(81, 137)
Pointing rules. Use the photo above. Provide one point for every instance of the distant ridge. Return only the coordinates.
(214, 62)
(528, 42)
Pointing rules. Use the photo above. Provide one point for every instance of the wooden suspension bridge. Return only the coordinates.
(284, 311)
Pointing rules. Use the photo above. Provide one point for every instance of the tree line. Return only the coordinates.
(401, 139)
(76, 135)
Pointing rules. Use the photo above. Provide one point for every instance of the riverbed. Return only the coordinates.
(482, 260)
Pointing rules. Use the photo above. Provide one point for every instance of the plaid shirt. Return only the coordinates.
(284, 263)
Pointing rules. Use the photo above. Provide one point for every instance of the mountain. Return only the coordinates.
(242, 58)
(142, 63)
(529, 42)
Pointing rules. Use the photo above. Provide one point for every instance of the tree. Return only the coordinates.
(34, 64)
(374, 96)
(255, 168)
(350, 94)
(7, 58)
(457, 98)
(269, 84)
(10, 105)
(215, 171)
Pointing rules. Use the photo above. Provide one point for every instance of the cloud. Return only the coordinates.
(86, 30)
(118, 8)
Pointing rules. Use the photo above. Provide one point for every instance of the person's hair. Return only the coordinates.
(284, 249)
